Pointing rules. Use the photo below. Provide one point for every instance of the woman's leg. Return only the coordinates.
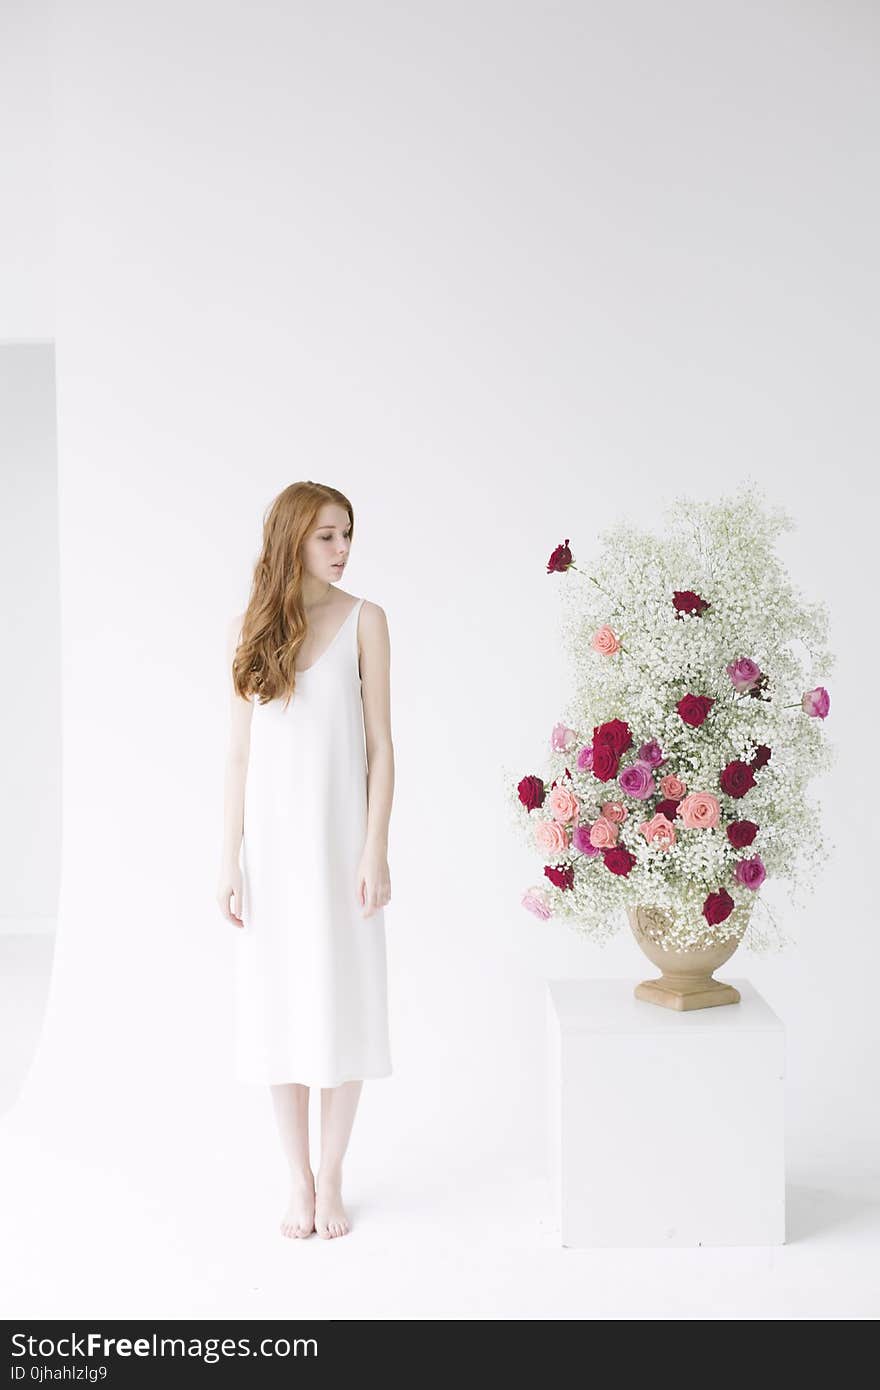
(338, 1106)
(291, 1103)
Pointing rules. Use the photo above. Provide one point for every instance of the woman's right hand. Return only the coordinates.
(230, 887)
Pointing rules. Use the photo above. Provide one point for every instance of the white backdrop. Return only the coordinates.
(30, 829)
(502, 273)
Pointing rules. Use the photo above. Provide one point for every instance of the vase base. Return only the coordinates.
(695, 994)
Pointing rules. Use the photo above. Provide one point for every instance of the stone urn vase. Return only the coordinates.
(685, 981)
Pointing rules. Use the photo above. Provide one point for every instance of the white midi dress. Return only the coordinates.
(310, 970)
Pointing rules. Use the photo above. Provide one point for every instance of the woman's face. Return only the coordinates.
(325, 549)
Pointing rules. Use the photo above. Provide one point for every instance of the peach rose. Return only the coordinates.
(700, 811)
(658, 831)
(603, 833)
(551, 837)
(614, 811)
(562, 804)
(672, 787)
(605, 642)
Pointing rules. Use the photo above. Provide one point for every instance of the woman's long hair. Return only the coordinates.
(274, 626)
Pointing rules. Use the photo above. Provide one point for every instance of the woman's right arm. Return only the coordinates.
(238, 749)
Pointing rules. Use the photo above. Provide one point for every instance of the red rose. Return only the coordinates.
(560, 559)
(718, 907)
(761, 758)
(613, 734)
(618, 860)
(667, 808)
(694, 709)
(605, 762)
(531, 792)
(737, 778)
(686, 601)
(562, 875)
(742, 832)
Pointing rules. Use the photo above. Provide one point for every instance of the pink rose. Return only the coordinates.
(636, 781)
(658, 831)
(605, 642)
(816, 702)
(603, 833)
(615, 812)
(562, 738)
(562, 804)
(700, 811)
(535, 900)
(672, 787)
(750, 872)
(744, 673)
(580, 840)
(551, 838)
(585, 758)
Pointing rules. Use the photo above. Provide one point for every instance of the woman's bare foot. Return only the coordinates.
(331, 1218)
(299, 1219)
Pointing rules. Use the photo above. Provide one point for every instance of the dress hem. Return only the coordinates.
(315, 1085)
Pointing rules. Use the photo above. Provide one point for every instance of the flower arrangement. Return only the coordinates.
(679, 775)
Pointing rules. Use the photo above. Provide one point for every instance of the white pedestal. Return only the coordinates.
(666, 1127)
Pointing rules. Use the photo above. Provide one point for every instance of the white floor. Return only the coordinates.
(25, 968)
(439, 1230)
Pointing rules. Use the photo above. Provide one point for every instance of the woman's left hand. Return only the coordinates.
(373, 881)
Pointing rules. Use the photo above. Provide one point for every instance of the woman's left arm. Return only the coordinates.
(374, 880)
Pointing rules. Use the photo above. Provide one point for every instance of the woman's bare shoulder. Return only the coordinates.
(373, 628)
(373, 617)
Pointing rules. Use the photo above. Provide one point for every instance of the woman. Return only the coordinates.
(309, 784)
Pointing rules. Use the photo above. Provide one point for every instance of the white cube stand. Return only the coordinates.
(666, 1127)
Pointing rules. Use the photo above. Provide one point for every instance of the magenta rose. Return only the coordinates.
(741, 833)
(816, 702)
(636, 781)
(667, 808)
(531, 792)
(560, 559)
(580, 840)
(737, 778)
(694, 709)
(585, 758)
(618, 860)
(605, 762)
(744, 673)
(750, 872)
(761, 758)
(613, 734)
(561, 875)
(718, 907)
(651, 753)
(686, 601)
